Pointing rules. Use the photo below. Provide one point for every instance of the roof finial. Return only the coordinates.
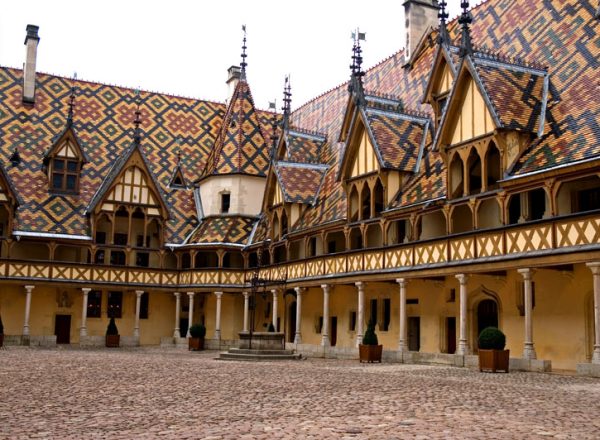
(356, 66)
(273, 107)
(244, 63)
(443, 38)
(137, 135)
(72, 100)
(287, 101)
(465, 20)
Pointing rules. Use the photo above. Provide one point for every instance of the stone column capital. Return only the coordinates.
(218, 295)
(190, 294)
(139, 293)
(246, 294)
(326, 287)
(462, 278)
(594, 266)
(85, 290)
(360, 285)
(527, 273)
(29, 288)
(299, 290)
(402, 281)
(177, 294)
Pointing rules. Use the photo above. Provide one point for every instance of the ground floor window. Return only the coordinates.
(94, 304)
(144, 303)
(115, 304)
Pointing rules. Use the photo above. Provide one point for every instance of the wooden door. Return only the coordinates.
(62, 329)
(333, 337)
(451, 335)
(414, 333)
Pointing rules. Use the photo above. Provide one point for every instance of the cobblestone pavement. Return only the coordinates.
(168, 393)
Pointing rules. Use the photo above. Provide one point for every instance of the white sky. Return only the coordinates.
(184, 47)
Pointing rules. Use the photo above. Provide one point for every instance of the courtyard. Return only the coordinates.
(169, 393)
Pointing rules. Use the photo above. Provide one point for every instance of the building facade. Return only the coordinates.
(453, 186)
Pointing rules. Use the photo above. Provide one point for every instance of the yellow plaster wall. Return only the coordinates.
(474, 118)
(365, 160)
(246, 194)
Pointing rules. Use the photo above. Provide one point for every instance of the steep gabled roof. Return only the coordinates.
(6, 186)
(67, 133)
(300, 182)
(240, 147)
(223, 229)
(302, 146)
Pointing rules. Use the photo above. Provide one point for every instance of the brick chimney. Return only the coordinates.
(233, 78)
(31, 44)
(420, 15)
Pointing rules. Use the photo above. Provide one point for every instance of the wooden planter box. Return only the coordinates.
(196, 344)
(493, 360)
(112, 340)
(370, 353)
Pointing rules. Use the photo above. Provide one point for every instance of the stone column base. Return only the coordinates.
(588, 369)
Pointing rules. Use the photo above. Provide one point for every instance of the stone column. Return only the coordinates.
(361, 312)
(595, 268)
(138, 300)
(28, 290)
(274, 292)
(176, 332)
(83, 329)
(298, 335)
(246, 304)
(218, 316)
(403, 333)
(528, 350)
(325, 342)
(190, 313)
(463, 347)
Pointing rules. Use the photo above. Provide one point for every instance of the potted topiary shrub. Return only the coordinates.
(271, 328)
(196, 339)
(112, 334)
(1, 332)
(370, 350)
(492, 355)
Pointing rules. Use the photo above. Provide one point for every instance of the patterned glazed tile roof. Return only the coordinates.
(398, 138)
(428, 184)
(103, 122)
(223, 229)
(240, 147)
(300, 183)
(304, 147)
(516, 95)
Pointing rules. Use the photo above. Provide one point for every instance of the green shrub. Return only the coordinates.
(1, 326)
(198, 331)
(271, 328)
(112, 329)
(492, 339)
(370, 337)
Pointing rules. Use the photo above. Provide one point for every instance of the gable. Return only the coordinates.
(472, 117)
(444, 82)
(278, 197)
(365, 159)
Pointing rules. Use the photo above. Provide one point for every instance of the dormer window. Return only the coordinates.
(65, 175)
(440, 104)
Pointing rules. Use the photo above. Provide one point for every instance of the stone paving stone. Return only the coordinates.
(148, 393)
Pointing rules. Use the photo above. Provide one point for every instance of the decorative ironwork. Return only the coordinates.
(465, 19)
(243, 64)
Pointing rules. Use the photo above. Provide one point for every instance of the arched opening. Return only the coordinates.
(493, 166)
(103, 229)
(121, 227)
(378, 198)
(206, 259)
(23, 250)
(489, 214)
(432, 225)
(365, 197)
(456, 177)
(233, 260)
(487, 314)
(514, 209)
(462, 219)
(397, 232)
(170, 261)
(578, 196)
(292, 321)
(353, 204)
(279, 254)
(374, 236)
(284, 224)
(527, 206)
(71, 254)
(4, 216)
(474, 167)
(186, 260)
(297, 249)
(336, 242)
(314, 246)
(252, 260)
(275, 231)
(356, 241)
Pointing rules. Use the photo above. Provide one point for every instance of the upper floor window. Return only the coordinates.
(65, 175)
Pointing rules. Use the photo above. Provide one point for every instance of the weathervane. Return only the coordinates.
(465, 20)
(273, 107)
(287, 101)
(355, 86)
(72, 100)
(243, 64)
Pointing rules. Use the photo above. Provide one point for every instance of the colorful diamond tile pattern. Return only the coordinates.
(300, 184)
(223, 229)
(303, 147)
(240, 147)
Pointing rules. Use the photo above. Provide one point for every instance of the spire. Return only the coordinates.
(357, 74)
(287, 102)
(465, 20)
(71, 101)
(137, 134)
(273, 106)
(443, 38)
(243, 64)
